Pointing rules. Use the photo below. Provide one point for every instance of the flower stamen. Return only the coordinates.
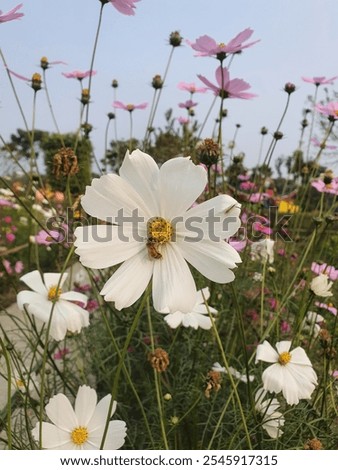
(54, 293)
(79, 435)
(159, 231)
(284, 358)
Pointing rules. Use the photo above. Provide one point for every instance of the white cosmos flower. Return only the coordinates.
(168, 233)
(272, 420)
(263, 250)
(291, 372)
(234, 372)
(47, 297)
(321, 286)
(198, 318)
(81, 428)
(310, 323)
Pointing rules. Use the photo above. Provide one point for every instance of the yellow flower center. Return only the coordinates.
(159, 231)
(20, 383)
(130, 107)
(54, 293)
(284, 358)
(221, 44)
(79, 435)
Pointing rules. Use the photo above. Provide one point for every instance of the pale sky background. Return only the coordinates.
(298, 38)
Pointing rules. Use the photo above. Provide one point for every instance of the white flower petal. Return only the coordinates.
(189, 319)
(75, 297)
(115, 436)
(273, 378)
(28, 297)
(212, 259)
(204, 321)
(129, 281)
(85, 404)
(304, 377)
(266, 353)
(298, 356)
(41, 309)
(61, 413)
(202, 294)
(141, 171)
(180, 184)
(100, 415)
(173, 285)
(52, 436)
(73, 315)
(34, 281)
(174, 319)
(102, 246)
(283, 346)
(53, 279)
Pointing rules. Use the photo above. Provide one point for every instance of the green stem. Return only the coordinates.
(9, 393)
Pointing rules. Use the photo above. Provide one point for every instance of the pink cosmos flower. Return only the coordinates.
(61, 353)
(7, 219)
(10, 237)
(234, 88)
(285, 327)
(243, 177)
(328, 307)
(191, 87)
(323, 187)
(325, 269)
(247, 185)
(92, 305)
(126, 7)
(78, 74)
(18, 267)
(183, 120)
(317, 143)
(258, 197)
(11, 15)
(335, 374)
(7, 266)
(239, 245)
(330, 109)
(5, 203)
(208, 47)
(259, 227)
(320, 80)
(188, 104)
(129, 107)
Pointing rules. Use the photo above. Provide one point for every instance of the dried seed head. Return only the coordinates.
(175, 39)
(313, 444)
(159, 359)
(65, 163)
(213, 383)
(207, 152)
(85, 97)
(157, 82)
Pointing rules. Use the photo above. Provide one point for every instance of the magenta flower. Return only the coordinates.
(328, 307)
(126, 7)
(191, 87)
(78, 74)
(188, 104)
(61, 353)
(10, 237)
(227, 88)
(18, 267)
(183, 120)
(7, 266)
(243, 177)
(208, 47)
(7, 219)
(48, 238)
(11, 15)
(331, 271)
(285, 327)
(330, 109)
(4, 202)
(239, 245)
(320, 80)
(326, 187)
(259, 227)
(129, 107)
(247, 186)
(258, 197)
(92, 305)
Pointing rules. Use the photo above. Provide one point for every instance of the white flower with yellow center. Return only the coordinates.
(81, 428)
(47, 298)
(291, 372)
(272, 420)
(198, 318)
(321, 286)
(154, 232)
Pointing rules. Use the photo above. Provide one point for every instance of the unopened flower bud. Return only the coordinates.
(174, 420)
(44, 64)
(175, 39)
(111, 116)
(36, 81)
(87, 128)
(278, 135)
(191, 112)
(167, 397)
(207, 152)
(289, 88)
(85, 96)
(305, 123)
(114, 83)
(264, 130)
(157, 82)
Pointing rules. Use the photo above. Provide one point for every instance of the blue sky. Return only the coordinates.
(298, 38)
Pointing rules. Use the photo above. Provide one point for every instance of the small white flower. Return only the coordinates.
(310, 323)
(234, 372)
(47, 297)
(263, 250)
(291, 372)
(272, 420)
(321, 286)
(257, 277)
(198, 318)
(24, 381)
(80, 428)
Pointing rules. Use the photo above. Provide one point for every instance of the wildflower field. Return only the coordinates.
(162, 293)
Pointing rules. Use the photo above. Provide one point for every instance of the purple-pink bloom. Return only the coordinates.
(259, 227)
(61, 353)
(323, 187)
(328, 307)
(18, 268)
(330, 109)
(285, 327)
(48, 238)
(239, 245)
(320, 80)
(10, 237)
(191, 87)
(247, 185)
(243, 177)
(227, 88)
(4, 202)
(330, 271)
(11, 15)
(207, 46)
(79, 74)
(183, 120)
(258, 197)
(92, 305)
(317, 143)
(7, 266)
(126, 7)
(187, 104)
(129, 107)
